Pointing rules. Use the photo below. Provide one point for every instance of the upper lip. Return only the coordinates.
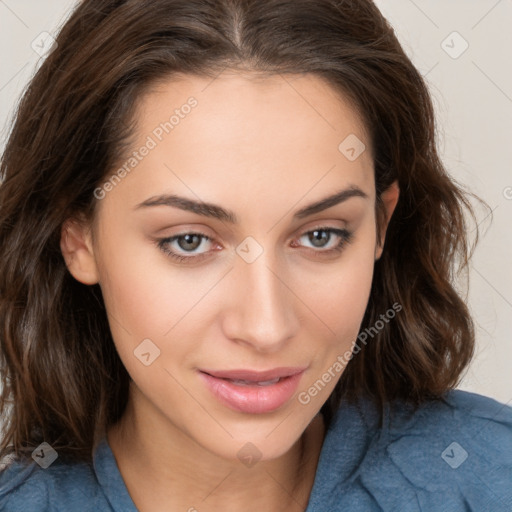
(254, 376)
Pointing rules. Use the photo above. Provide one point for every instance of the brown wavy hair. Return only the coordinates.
(62, 379)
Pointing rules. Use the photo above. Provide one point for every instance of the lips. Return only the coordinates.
(254, 376)
(251, 391)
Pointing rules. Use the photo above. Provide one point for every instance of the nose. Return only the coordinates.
(261, 311)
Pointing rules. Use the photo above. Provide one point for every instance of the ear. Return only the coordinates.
(390, 199)
(77, 250)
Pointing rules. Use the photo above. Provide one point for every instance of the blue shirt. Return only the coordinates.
(450, 455)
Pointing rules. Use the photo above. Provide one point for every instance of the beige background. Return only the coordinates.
(472, 91)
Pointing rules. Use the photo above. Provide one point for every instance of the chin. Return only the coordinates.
(260, 440)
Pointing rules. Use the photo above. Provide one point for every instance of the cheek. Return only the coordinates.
(139, 305)
(143, 309)
(340, 303)
(148, 298)
(143, 291)
(338, 294)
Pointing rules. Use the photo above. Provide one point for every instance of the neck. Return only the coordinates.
(164, 469)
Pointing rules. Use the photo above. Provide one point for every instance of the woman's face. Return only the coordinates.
(216, 252)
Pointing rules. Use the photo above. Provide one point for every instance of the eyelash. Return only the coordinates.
(346, 238)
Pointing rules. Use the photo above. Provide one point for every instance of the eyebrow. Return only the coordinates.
(218, 212)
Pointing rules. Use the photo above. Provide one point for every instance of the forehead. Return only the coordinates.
(239, 105)
(250, 133)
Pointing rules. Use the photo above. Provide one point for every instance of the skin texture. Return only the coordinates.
(263, 148)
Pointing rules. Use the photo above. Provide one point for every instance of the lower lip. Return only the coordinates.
(253, 399)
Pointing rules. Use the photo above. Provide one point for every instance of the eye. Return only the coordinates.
(179, 246)
(192, 247)
(329, 240)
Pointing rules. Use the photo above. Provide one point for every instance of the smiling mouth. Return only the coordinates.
(253, 392)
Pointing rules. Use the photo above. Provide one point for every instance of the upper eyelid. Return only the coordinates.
(302, 233)
(319, 224)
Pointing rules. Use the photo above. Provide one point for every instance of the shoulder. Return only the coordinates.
(26, 486)
(453, 454)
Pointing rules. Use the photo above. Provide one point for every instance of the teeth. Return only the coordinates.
(240, 382)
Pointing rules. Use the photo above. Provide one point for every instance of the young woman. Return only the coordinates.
(228, 248)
